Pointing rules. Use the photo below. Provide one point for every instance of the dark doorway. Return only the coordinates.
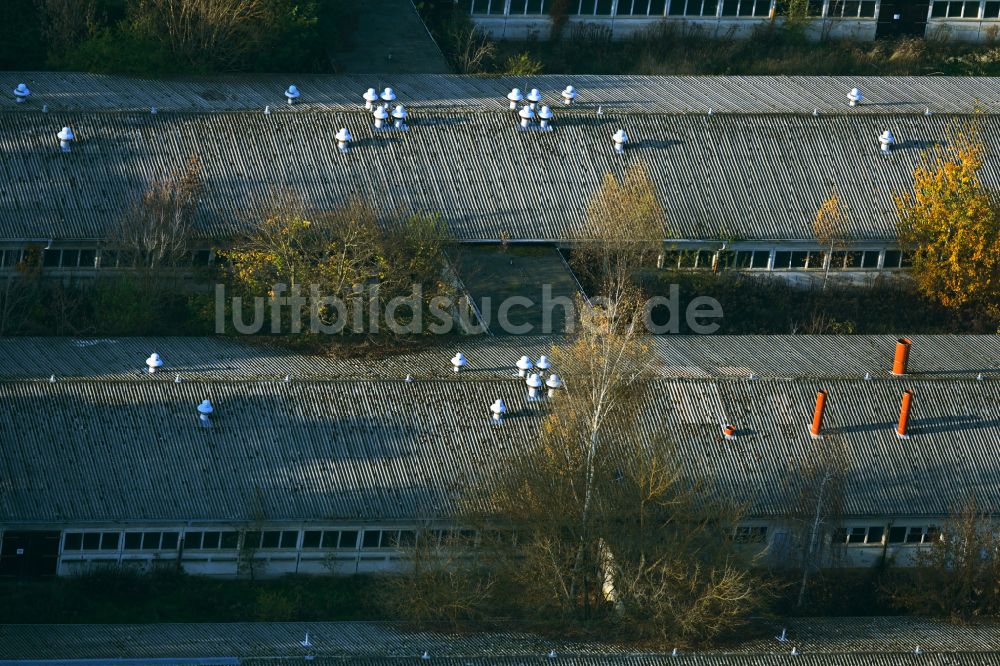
(26, 554)
(902, 18)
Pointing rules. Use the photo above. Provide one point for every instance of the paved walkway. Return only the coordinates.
(391, 39)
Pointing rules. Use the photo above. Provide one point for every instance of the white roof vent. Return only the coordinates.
(154, 362)
(927, 111)
(306, 642)
(552, 654)
(569, 95)
(711, 112)
(52, 379)
(371, 96)
(855, 97)
(544, 116)
(783, 638)
(554, 383)
(292, 94)
(205, 410)
(45, 108)
(425, 656)
(523, 365)
(388, 96)
(152, 111)
(917, 650)
(534, 97)
(399, 116)
(795, 651)
(515, 96)
(21, 93)
(886, 141)
(498, 409)
(543, 363)
(66, 137)
(267, 110)
(620, 138)
(177, 379)
(527, 115)
(344, 139)
(459, 361)
(380, 116)
(534, 383)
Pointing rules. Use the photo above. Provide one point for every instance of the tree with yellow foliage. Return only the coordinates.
(952, 222)
(831, 229)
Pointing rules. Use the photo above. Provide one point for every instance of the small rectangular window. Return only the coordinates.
(252, 540)
(150, 540)
(311, 539)
(971, 10)
(954, 10)
(746, 8)
(914, 535)
(330, 538)
(133, 540)
(348, 539)
(169, 541)
(210, 540)
(730, 7)
(230, 540)
(836, 9)
(517, 7)
(289, 539)
(677, 7)
(50, 258)
(710, 8)
(853, 259)
(891, 259)
(497, 7)
(91, 540)
(782, 260)
(270, 539)
(762, 8)
(852, 8)
(192, 540)
(109, 541)
(940, 9)
(992, 10)
(657, 7)
(705, 258)
(868, 9)
(371, 539)
(875, 535)
(799, 259)
(933, 534)
(87, 258)
(760, 259)
(857, 535)
(870, 259)
(603, 8)
(72, 541)
(70, 258)
(897, 534)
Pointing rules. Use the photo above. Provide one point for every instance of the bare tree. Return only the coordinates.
(65, 23)
(158, 230)
(831, 229)
(473, 49)
(958, 574)
(817, 493)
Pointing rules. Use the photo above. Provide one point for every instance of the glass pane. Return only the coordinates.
(211, 540)
(816, 7)
(871, 259)
(91, 540)
(875, 535)
(729, 7)
(906, 261)
(290, 539)
(407, 538)
(604, 7)
(72, 541)
(914, 535)
(836, 8)
(992, 10)
(891, 259)
(169, 541)
(852, 8)
(857, 535)
(760, 258)
(853, 259)
(371, 539)
(657, 7)
(710, 7)
(971, 10)
(252, 540)
(677, 7)
(782, 260)
(868, 9)
(497, 6)
(70, 258)
(480, 6)
(230, 540)
(933, 534)
(940, 9)
(271, 539)
(517, 7)
(349, 539)
(109, 541)
(133, 540)
(150, 540)
(192, 540)
(897, 534)
(799, 259)
(311, 538)
(742, 260)
(762, 8)
(954, 9)
(50, 258)
(746, 8)
(87, 258)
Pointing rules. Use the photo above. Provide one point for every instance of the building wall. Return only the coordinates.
(954, 20)
(298, 550)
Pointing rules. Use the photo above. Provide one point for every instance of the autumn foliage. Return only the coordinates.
(952, 222)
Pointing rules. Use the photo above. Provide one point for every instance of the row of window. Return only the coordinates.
(788, 260)
(748, 8)
(403, 538)
(88, 258)
(875, 535)
(965, 9)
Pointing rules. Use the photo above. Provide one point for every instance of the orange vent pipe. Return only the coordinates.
(817, 425)
(902, 356)
(904, 413)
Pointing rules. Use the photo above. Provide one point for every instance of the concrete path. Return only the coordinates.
(391, 39)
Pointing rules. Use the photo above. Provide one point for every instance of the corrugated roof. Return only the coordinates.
(778, 356)
(68, 91)
(731, 177)
(385, 450)
(877, 640)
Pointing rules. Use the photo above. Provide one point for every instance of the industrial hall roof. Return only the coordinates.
(132, 447)
(756, 168)
(857, 640)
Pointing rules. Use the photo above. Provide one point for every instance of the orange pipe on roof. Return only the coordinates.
(902, 356)
(817, 425)
(904, 412)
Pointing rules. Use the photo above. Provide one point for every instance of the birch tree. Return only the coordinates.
(831, 229)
